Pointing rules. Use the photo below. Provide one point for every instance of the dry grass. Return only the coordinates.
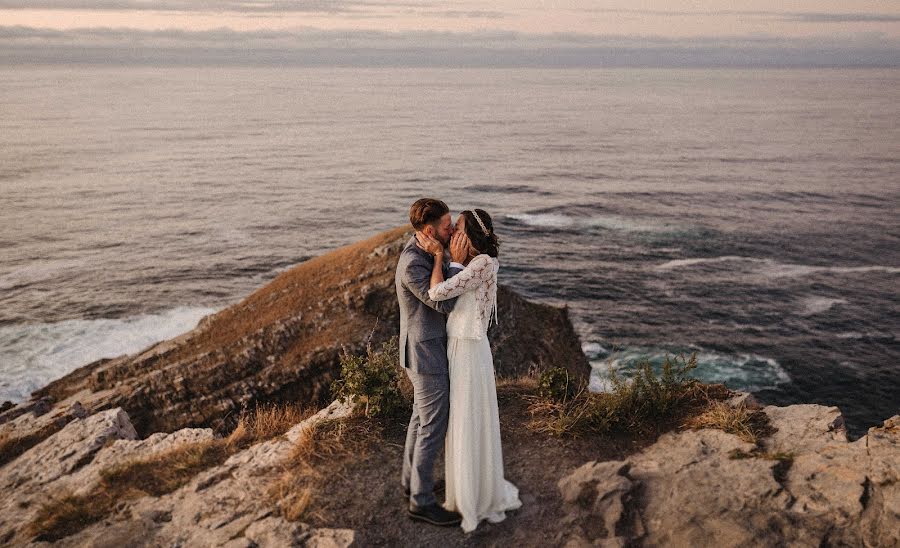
(748, 424)
(161, 473)
(280, 299)
(297, 504)
(570, 417)
(325, 450)
(522, 384)
(11, 447)
(157, 475)
(266, 422)
(68, 514)
(649, 403)
(165, 472)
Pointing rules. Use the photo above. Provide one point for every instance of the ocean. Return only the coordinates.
(750, 216)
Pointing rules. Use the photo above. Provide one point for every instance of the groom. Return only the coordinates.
(423, 352)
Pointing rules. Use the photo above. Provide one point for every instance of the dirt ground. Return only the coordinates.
(367, 496)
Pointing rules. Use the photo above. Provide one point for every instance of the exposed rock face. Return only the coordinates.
(281, 343)
(691, 488)
(704, 487)
(225, 505)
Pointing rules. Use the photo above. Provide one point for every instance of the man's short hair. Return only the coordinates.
(427, 211)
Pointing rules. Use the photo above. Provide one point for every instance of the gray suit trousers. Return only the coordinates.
(426, 432)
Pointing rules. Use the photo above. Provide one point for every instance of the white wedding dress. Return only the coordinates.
(476, 487)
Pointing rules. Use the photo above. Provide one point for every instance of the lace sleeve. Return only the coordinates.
(476, 273)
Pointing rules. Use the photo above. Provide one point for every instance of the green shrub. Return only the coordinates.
(557, 384)
(638, 405)
(373, 379)
(649, 396)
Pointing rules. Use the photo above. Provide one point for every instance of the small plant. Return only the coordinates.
(649, 396)
(373, 379)
(638, 404)
(557, 385)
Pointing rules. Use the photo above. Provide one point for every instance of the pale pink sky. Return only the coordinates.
(666, 18)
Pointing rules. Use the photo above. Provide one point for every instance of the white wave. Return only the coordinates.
(603, 384)
(817, 305)
(610, 222)
(593, 349)
(31, 355)
(747, 372)
(544, 220)
(681, 263)
(867, 334)
(774, 269)
(628, 224)
(778, 270)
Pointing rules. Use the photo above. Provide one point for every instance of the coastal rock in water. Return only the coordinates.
(281, 343)
(695, 486)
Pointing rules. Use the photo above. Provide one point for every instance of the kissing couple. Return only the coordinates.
(447, 300)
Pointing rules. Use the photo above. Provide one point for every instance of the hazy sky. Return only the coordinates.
(867, 32)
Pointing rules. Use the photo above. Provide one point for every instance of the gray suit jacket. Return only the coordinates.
(423, 322)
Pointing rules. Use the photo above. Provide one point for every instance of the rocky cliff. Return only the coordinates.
(109, 435)
(802, 485)
(281, 343)
(805, 485)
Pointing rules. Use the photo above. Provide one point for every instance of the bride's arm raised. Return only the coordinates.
(478, 271)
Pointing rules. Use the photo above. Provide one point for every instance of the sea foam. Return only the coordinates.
(745, 372)
(607, 222)
(31, 355)
(774, 269)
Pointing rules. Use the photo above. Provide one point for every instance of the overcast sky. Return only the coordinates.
(497, 32)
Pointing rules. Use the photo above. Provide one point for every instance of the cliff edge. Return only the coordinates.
(279, 344)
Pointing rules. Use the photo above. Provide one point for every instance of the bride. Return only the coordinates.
(475, 486)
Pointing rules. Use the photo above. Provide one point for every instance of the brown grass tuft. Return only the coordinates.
(65, 515)
(296, 504)
(516, 384)
(325, 450)
(747, 424)
(11, 447)
(156, 476)
(267, 421)
(165, 472)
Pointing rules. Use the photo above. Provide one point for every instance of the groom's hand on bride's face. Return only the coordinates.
(428, 243)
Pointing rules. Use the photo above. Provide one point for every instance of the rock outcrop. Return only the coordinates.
(281, 343)
(225, 505)
(805, 485)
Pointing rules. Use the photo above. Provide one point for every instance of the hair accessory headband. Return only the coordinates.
(480, 223)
